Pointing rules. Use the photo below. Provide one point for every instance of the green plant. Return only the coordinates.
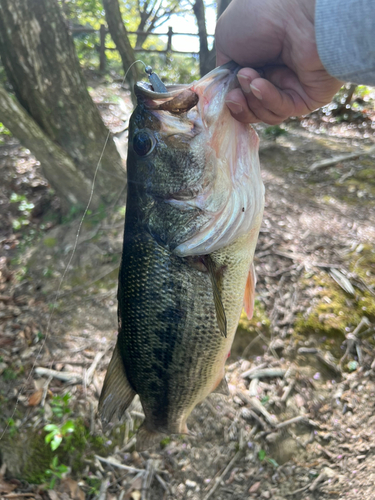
(60, 405)
(56, 472)
(262, 455)
(57, 433)
(12, 427)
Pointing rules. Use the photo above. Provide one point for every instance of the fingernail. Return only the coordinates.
(245, 83)
(256, 92)
(234, 107)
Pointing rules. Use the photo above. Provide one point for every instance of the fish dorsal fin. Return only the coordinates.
(248, 300)
(117, 394)
(222, 388)
(216, 288)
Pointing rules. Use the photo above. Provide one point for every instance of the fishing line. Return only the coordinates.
(68, 264)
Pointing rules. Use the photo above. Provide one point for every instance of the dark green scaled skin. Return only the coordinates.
(168, 333)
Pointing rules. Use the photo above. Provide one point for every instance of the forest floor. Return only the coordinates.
(299, 422)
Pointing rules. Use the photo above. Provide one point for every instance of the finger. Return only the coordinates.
(257, 108)
(237, 104)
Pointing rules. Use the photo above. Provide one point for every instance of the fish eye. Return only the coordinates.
(143, 143)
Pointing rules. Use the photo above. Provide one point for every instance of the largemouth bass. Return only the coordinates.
(194, 208)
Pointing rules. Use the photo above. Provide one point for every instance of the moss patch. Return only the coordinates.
(334, 312)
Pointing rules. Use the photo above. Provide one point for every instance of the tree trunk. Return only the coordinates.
(120, 37)
(41, 64)
(57, 166)
(206, 56)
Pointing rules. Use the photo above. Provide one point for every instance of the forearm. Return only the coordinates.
(345, 36)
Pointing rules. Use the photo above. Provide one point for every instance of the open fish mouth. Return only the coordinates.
(181, 98)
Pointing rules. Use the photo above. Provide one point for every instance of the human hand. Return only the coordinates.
(278, 38)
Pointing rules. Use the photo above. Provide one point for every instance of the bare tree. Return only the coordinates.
(154, 13)
(206, 56)
(55, 116)
(120, 37)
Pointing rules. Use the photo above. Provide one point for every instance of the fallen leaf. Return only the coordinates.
(36, 398)
(6, 487)
(255, 487)
(72, 488)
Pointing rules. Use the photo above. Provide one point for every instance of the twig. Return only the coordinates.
(246, 413)
(114, 463)
(70, 377)
(351, 340)
(287, 391)
(300, 490)
(247, 373)
(253, 388)
(162, 482)
(267, 372)
(257, 406)
(328, 363)
(45, 390)
(147, 479)
(103, 489)
(130, 444)
(291, 421)
(90, 372)
(221, 477)
(338, 159)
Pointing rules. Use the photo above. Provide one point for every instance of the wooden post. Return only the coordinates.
(102, 58)
(170, 34)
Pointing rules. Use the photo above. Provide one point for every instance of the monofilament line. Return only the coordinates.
(67, 267)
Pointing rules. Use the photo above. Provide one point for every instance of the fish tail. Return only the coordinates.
(147, 438)
(117, 393)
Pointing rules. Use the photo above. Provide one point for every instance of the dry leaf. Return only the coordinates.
(36, 398)
(72, 488)
(255, 487)
(6, 487)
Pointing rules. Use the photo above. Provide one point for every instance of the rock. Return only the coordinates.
(190, 484)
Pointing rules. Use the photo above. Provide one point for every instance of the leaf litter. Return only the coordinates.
(298, 422)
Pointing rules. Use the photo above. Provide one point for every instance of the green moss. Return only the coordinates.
(333, 311)
(35, 458)
(50, 242)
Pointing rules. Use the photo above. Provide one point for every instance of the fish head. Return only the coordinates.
(193, 167)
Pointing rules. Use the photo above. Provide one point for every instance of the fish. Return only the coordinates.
(195, 202)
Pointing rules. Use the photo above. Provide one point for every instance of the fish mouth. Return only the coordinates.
(181, 98)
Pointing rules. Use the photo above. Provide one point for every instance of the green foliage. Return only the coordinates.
(9, 374)
(57, 433)
(12, 428)
(55, 472)
(60, 405)
(274, 131)
(24, 207)
(262, 455)
(4, 130)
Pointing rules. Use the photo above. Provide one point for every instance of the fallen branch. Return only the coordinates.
(69, 377)
(338, 159)
(114, 463)
(223, 474)
(267, 372)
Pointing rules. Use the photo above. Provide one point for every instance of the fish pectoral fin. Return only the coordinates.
(248, 300)
(222, 388)
(117, 393)
(146, 438)
(216, 288)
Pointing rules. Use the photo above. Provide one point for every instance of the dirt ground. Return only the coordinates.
(299, 422)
